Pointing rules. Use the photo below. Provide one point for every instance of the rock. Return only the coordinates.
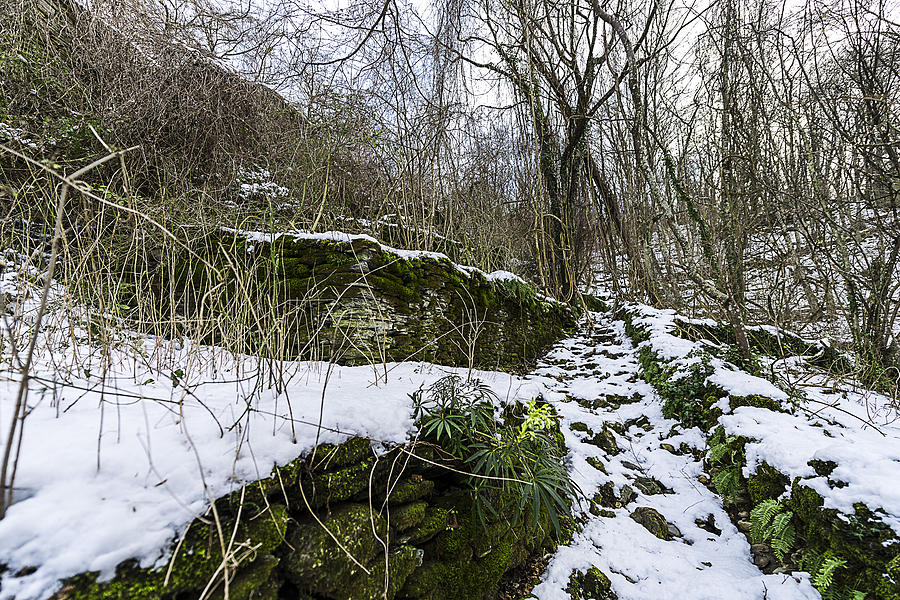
(329, 457)
(435, 521)
(617, 427)
(703, 478)
(674, 531)
(411, 489)
(252, 582)
(606, 496)
(407, 516)
(579, 426)
(649, 486)
(668, 448)
(642, 422)
(605, 440)
(403, 306)
(596, 463)
(708, 524)
(592, 584)
(761, 560)
(652, 521)
(317, 564)
(744, 526)
(627, 495)
(336, 486)
(630, 465)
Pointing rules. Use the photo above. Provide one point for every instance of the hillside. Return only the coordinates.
(465, 300)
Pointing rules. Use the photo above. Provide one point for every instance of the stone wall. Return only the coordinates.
(355, 302)
(339, 525)
(868, 549)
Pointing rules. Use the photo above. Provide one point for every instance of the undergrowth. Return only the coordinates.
(514, 460)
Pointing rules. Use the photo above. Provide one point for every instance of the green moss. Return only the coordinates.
(337, 486)
(407, 516)
(652, 521)
(253, 582)
(435, 520)
(766, 484)
(429, 304)
(756, 402)
(331, 456)
(592, 584)
(192, 567)
(605, 440)
(411, 489)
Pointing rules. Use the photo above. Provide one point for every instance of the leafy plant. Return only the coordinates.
(771, 522)
(685, 394)
(514, 461)
(825, 575)
(725, 458)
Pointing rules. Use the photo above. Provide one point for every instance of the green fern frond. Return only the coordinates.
(825, 575)
(782, 534)
(727, 482)
(761, 519)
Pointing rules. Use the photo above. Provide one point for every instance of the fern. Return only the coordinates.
(761, 518)
(770, 522)
(728, 482)
(825, 574)
(782, 534)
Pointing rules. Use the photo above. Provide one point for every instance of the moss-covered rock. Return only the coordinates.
(408, 516)
(390, 307)
(193, 565)
(466, 560)
(592, 584)
(652, 521)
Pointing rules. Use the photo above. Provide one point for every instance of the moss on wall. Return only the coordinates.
(358, 303)
(866, 550)
(423, 541)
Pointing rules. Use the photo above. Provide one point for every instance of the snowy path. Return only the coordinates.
(597, 391)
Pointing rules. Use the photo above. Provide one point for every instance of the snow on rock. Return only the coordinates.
(740, 383)
(857, 429)
(114, 469)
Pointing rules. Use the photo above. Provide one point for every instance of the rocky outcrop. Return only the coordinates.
(351, 300)
(848, 555)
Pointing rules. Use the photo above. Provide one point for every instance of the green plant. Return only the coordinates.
(514, 461)
(725, 459)
(686, 395)
(771, 523)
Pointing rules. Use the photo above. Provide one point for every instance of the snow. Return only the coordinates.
(838, 421)
(740, 383)
(698, 564)
(340, 236)
(115, 464)
(115, 467)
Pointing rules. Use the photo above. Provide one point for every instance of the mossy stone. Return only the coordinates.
(436, 519)
(592, 584)
(408, 515)
(336, 486)
(411, 489)
(192, 567)
(652, 521)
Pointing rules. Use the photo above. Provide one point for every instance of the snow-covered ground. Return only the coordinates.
(696, 563)
(833, 421)
(121, 452)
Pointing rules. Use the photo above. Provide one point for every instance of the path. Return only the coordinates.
(625, 455)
